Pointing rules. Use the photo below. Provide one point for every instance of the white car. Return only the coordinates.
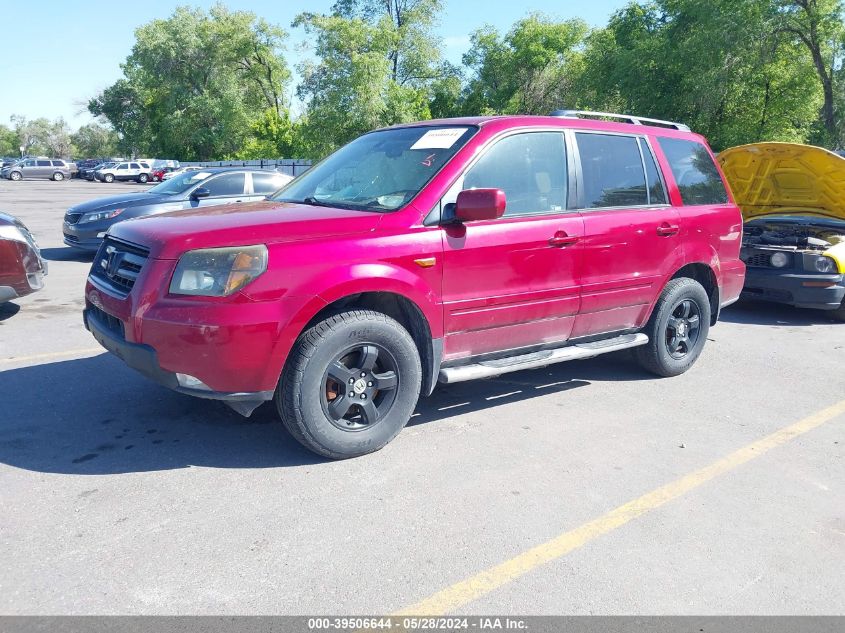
(179, 172)
(136, 170)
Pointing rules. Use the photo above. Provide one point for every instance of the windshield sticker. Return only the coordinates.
(200, 175)
(429, 160)
(439, 139)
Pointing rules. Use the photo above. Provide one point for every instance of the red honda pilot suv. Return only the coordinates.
(444, 251)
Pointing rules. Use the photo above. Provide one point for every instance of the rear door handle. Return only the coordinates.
(561, 240)
(667, 230)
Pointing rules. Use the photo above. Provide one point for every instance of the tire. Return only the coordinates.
(349, 351)
(839, 313)
(58, 176)
(142, 178)
(671, 351)
(15, 175)
(109, 178)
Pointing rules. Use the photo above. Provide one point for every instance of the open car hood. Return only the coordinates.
(785, 179)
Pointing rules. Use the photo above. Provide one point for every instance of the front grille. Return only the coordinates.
(72, 218)
(111, 323)
(118, 264)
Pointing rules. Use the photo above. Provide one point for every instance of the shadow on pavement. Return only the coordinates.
(750, 312)
(8, 310)
(96, 416)
(66, 254)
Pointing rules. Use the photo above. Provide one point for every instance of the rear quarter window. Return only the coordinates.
(695, 173)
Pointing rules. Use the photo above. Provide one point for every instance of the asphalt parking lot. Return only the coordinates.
(583, 488)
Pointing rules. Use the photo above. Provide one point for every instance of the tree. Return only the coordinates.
(8, 142)
(195, 83)
(41, 136)
(95, 140)
(377, 64)
(723, 67)
(532, 70)
(818, 26)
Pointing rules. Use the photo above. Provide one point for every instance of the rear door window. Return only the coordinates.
(612, 171)
(226, 185)
(695, 173)
(656, 190)
(530, 168)
(266, 183)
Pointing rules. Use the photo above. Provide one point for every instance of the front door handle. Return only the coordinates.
(561, 240)
(667, 230)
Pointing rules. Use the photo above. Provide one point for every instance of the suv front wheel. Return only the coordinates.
(350, 385)
(677, 329)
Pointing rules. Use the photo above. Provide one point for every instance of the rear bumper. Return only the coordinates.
(144, 359)
(790, 289)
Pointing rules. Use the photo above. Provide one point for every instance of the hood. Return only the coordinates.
(785, 179)
(168, 235)
(121, 201)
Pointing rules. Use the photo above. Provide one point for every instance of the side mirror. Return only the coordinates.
(200, 192)
(480, 204)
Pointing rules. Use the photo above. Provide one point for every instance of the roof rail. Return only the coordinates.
(636, 120)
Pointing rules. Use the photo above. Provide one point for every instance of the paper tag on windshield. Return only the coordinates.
(439, 139)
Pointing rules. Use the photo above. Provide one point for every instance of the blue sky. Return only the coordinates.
(56, 58)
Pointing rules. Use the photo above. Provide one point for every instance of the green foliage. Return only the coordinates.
(378, 64)
(8, 142)
(724, 67)
(207, 85)
(532, 70)
(42, 136)
(196, 83)
(94, 141)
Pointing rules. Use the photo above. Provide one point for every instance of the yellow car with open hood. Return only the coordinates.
(793, 203)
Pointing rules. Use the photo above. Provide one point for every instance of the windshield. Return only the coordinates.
(380, 171)
(180, 183)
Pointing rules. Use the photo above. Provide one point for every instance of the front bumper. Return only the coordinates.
(144, 359)
(86, 236)
(789, 288)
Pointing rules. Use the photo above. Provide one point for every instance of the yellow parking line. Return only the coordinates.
(484, 582)
(49, 355)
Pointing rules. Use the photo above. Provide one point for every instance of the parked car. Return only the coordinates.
(51, 169)
(439, 251)
(180, 171)
(157, 175)
(86, 224)
(22, 269)
(92, 174)
(793, 201)
(139, 171)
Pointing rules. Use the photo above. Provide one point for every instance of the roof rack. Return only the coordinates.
(636, 120)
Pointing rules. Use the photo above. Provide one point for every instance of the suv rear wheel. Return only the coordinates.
(677, 329)
(142, 178)
(350, 385)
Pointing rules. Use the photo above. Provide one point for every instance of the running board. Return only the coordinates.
(579, 351)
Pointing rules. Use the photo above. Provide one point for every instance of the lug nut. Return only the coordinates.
(363, 373)
(370, 384)
(363, 396)
(351, 381)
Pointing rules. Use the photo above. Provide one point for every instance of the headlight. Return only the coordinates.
(101, 215)
(218, 272)
(779, 260)
(824, 264)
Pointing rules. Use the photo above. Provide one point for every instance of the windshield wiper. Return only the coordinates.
(314, 202)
